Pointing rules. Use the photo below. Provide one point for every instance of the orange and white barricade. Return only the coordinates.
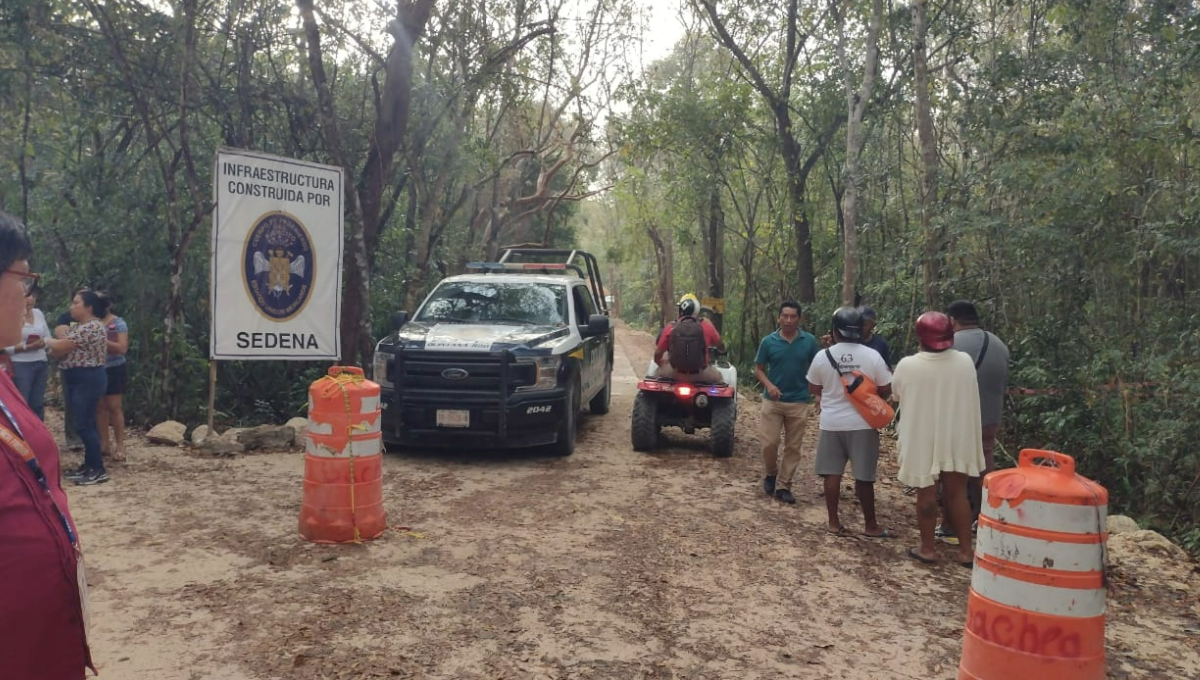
(343, 460)
(1037, 600)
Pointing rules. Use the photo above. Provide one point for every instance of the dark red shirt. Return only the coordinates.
(41, 622)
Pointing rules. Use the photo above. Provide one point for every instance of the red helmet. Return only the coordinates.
(935, 331)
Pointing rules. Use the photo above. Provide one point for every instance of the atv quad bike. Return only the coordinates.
(687, 404)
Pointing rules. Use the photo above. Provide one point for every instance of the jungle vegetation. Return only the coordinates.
(1034, 156)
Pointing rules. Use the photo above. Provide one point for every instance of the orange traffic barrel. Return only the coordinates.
(1037, 599)
(343, 460)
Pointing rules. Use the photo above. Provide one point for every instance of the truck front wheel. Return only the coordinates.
(567, 429)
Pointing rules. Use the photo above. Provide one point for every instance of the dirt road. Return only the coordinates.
(607, 564)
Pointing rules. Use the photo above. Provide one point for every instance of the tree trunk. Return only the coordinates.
(797, 180)
(179, 235)
(716, 256)
(856, 106)
(391, 122)
(796, 164)
(664, 262)
(931, 237)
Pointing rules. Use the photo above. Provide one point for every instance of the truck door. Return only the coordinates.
(595, 354)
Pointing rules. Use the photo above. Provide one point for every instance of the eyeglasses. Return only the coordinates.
(28, 279)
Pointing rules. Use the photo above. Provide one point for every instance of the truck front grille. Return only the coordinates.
(467, 373)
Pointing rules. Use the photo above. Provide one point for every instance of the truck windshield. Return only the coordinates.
(496, 302)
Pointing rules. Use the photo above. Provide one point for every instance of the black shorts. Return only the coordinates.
(117, 377)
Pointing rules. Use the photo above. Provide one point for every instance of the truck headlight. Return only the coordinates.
(379, 368)
(547, 372)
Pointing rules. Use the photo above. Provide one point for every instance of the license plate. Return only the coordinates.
(453, 418)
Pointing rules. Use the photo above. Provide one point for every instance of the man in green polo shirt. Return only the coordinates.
(781, 367)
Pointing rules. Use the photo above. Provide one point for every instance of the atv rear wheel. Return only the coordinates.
(724, 416)
(644, 429)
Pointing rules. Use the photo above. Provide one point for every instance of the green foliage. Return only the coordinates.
(1067, 199)
(1066, 208)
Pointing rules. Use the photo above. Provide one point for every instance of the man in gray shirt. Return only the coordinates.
(990, 355)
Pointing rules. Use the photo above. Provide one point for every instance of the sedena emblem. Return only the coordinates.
(278, 266)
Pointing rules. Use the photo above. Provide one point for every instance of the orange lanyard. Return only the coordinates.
(17, 443)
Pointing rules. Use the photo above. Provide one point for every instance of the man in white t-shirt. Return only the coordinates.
(844, 435)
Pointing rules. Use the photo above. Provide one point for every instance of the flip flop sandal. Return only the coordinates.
(912, 552)
(885, 533)
(841, 533)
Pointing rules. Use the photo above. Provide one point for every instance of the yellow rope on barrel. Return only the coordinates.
(327, 386)
(332, 383)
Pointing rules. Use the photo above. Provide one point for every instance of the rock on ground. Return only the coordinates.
(1120, 524)
(300, 425)
(1144, 545)
(170, 433)
(200, 434)
(267, 437)
(217, 446)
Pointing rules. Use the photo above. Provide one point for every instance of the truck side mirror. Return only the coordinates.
(398, 320)
(597, 324)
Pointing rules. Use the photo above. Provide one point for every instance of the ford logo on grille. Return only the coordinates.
(455, 374)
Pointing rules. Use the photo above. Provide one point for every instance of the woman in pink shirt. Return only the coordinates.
(42, 589)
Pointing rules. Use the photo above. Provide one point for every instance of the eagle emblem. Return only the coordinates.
(279, 265)
(279, 269)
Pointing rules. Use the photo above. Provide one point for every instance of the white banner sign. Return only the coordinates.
(276, 258)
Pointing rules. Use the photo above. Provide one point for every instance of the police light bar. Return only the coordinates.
(507, 266)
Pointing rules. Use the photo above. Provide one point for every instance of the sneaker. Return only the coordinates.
(769, 485)
(72, 475)
(946, 535)
(785, 496)
(92, 477)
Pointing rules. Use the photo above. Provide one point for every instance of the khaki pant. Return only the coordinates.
(788, 420)
(708, 374)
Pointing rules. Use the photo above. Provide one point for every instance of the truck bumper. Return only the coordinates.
(424, 420)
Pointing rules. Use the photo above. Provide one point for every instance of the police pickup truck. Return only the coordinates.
(503, 356)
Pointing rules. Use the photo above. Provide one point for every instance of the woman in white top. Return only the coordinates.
(30, 366)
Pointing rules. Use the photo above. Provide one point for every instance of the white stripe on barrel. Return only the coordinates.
(1065, 518)
(1037, 598)
(355, 447)
(1039, 553)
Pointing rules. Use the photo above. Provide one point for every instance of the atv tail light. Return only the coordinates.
(684, 390)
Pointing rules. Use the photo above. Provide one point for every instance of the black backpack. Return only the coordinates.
(687, 350)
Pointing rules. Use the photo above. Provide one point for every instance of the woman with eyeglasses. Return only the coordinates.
(82, 351)
(43, 592)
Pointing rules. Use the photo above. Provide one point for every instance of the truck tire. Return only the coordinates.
(644, 429)
(569, 427)
(599, 403)
(724, 416)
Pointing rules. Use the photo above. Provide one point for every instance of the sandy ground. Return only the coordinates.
(607, 564)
